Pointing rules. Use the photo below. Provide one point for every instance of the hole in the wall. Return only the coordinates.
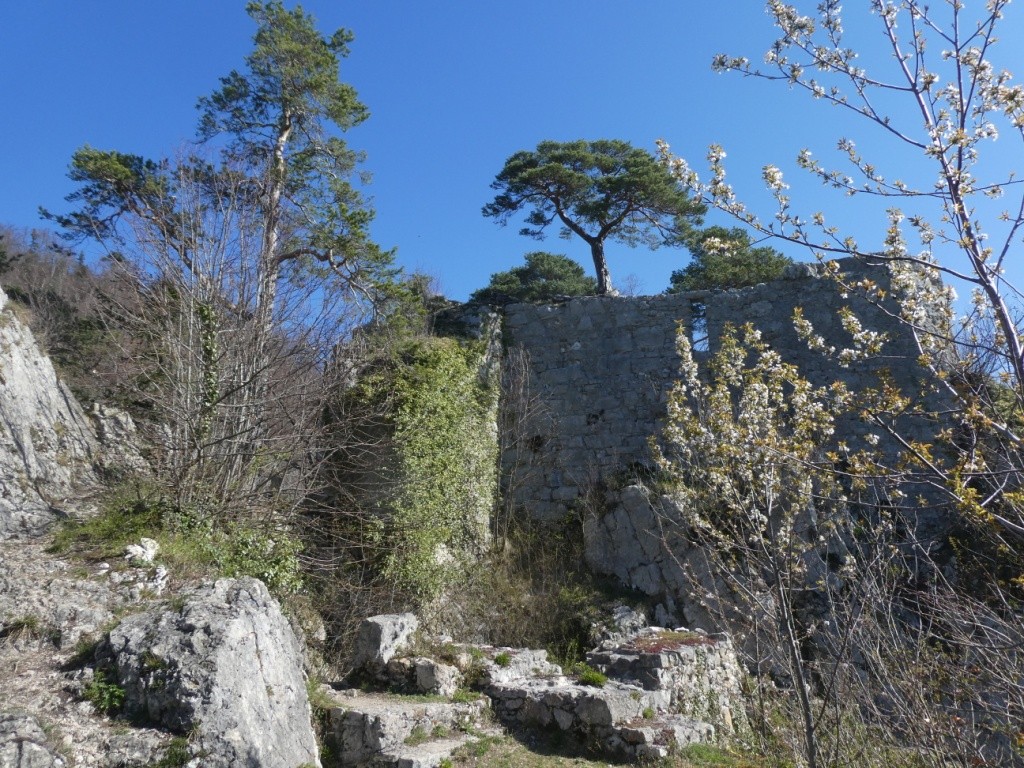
(835, 561)
(699, 326)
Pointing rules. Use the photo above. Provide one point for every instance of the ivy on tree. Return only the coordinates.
(544, 276)
(598, 190)
(243, 256)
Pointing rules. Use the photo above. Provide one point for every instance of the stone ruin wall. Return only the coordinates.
(590, 376)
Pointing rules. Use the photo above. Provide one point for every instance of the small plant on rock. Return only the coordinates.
(418, 736)
(28, 627)
(465, 696)
(503, 659)
(152, 662)
(105, 695)
(587, 675)
(176, 755)
(320, 702)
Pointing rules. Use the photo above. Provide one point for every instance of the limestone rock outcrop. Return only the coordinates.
(119, 440)
(225, 668)
(47, 444)
(23, 744)
(51, 609)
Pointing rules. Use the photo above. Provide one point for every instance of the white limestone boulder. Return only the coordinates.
(380, 638)
(225, 668)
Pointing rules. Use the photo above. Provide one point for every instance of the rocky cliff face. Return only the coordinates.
(47, 444)
(222, 667)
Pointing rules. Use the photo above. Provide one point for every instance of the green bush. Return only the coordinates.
(726, 258)
(465, 696)
(544, 277)
(176, 755)
(126, 514)
(535, 591)
(105, 695)
(270, 556)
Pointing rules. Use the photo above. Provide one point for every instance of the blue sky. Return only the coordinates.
(454, 87)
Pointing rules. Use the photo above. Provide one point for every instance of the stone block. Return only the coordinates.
(379, 638)
(436, 678)
(24, 744)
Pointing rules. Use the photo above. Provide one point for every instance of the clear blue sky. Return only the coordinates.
(454, 87)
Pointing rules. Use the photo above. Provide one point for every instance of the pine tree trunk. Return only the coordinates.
(604, 279)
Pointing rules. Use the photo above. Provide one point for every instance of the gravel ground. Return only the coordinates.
(50, 611)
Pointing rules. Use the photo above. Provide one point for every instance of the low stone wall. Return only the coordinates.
(699, 672)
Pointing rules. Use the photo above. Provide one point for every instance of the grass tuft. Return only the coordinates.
(587, 675)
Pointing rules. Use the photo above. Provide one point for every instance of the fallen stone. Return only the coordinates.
(142, 553)
(436, 678)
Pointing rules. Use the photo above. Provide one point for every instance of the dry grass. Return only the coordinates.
(507, 752)
(668, 640)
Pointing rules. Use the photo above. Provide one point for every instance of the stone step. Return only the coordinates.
(429, 754)
(363, 727)
(571, 706)
(630, 722)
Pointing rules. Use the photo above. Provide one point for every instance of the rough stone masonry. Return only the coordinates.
(590, 377)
